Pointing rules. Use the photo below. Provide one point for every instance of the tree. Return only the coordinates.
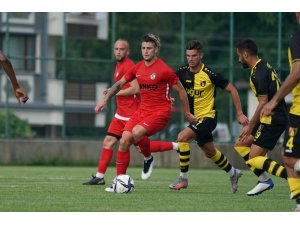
(18, 128)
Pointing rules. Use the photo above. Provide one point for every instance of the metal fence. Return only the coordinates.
(81, 62)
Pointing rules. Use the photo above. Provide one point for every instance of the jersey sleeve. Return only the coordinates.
(129, 64)
(218, 80)
(261, 80)
(171, 76)
(130, 74)
(295, 46)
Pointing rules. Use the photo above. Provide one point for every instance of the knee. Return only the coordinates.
(138, 132)
(109, 143)
(125, 143)
(182, 138)
(289, 162)
(136, 136)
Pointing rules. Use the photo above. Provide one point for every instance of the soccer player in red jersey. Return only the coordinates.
(155, 79)
(21, 95)
(127, 101)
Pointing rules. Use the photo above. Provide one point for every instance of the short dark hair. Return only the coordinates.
(152, 38)
(194, 45)
(247, 45)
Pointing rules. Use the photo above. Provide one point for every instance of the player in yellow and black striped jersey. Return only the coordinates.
(200, 84)
(261, 134)
(292, 135)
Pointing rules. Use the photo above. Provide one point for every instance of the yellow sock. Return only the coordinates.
(221, 161)
(184, 156)
(269, 165)
(294, 184)
(243, 151)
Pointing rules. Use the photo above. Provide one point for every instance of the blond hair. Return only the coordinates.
(152, 38)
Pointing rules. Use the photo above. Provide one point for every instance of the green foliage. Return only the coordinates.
(211, 28)
(17, 128)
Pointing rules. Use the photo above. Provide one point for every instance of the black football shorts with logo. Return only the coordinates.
(267, 135)
(291, 142)
(203, 130)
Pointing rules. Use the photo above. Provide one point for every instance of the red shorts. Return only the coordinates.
(153, 122)
(116, 127)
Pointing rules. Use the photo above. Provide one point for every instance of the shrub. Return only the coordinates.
(17, 127)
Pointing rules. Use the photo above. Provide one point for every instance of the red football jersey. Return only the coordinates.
(126, 105)
(155, 83)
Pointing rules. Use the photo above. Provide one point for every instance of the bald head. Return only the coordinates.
(121, 49)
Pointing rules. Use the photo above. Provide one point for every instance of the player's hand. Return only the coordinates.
(21, 96)
(267, 109)
(243, 120)
(191, 118)
(245, 133)
(100, 106)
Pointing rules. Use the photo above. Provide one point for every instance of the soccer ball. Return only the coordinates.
(123, 184)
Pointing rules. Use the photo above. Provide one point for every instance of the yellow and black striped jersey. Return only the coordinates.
(201, 89)
(294, 55)
(264, 82)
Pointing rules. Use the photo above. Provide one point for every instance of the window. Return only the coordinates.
(82, 30)
(19, 17)
(21, 51)
(80, 91)
(80, 119)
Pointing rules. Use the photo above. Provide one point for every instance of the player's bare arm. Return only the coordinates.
(241, 118)
(105, 91)
(262, 100)
(21, 95)
(112, 92)
(132, 90)
(185, 103)
(292, 80)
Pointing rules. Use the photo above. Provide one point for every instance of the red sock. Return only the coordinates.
(122, 162)
(144, 146)
(104, 160)
(160, 146)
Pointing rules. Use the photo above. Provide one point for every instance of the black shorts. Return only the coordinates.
(267, 135)
(291, 142)
(204, 129)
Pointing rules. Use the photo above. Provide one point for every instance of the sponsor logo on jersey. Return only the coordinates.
(152, 76)
(194, 92)
(148, 86)
(202, 83)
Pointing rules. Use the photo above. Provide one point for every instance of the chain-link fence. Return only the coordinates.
(64, 60)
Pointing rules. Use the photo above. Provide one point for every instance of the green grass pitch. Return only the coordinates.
(60, 189)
